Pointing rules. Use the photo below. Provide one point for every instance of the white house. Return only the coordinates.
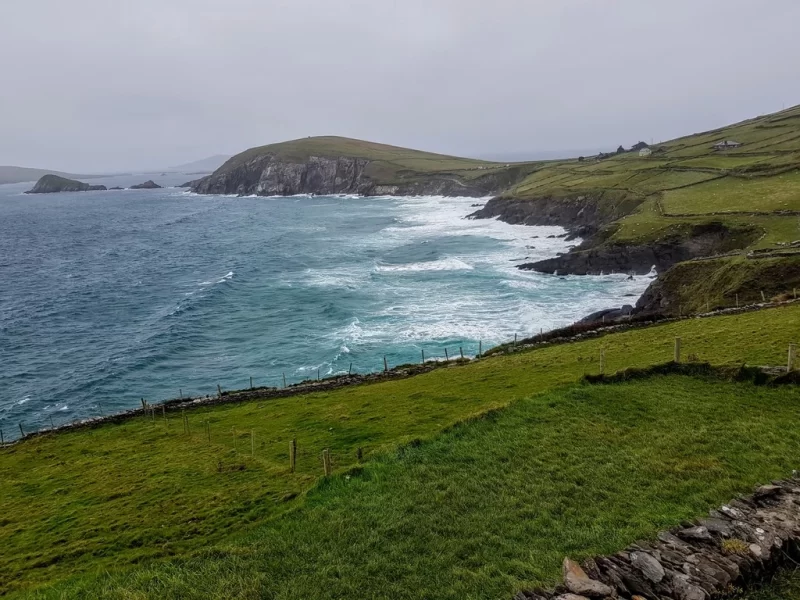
(727, 145)
(645, 152)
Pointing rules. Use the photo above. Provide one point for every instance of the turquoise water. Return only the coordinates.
(108, 297)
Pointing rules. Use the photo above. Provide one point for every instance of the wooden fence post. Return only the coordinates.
(284, 380)
(2, 440)
(219, 390)
(480, 348)
(515, 340)
(677, 357)
(792, 354)
(350, 370)
(446, 357)
(326, 462)
(359, 454)
(763, 297)
(385, 365)
(180, 393)
(317, 373)
(293, 455)
(461, 351)
(22, 433)
(423, 356)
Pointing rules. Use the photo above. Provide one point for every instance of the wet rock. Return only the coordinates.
(578, 582)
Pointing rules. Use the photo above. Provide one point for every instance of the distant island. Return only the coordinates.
(50, 184)
(147, 185)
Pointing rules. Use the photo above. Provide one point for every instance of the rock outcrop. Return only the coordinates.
(50, 184)
(270, 174)
(147, 185)
(740, 543)
(699, 241)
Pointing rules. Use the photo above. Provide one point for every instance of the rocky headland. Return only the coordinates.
(50, 184)
(332, 165)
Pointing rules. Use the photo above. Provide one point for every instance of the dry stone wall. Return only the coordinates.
(740, 543)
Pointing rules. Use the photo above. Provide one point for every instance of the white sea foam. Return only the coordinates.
(445, 264)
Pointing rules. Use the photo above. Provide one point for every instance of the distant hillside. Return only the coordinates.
(10, 174)
(331, 165)
(734, 189)
(204, 165)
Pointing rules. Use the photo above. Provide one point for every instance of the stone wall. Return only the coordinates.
(738, 544)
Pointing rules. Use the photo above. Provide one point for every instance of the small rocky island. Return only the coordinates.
(50, 184)
(147, 185)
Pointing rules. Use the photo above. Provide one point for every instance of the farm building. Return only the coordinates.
(726, 145)
(645, 152)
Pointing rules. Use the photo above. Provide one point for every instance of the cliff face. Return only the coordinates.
(50, 184)
(271, 175)
(700, 241)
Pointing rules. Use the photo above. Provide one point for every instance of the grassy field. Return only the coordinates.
(494, 504)
(120, 494)
(732, 194)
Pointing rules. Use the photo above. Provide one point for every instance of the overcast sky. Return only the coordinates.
(90, 85)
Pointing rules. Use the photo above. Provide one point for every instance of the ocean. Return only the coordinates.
(110, 297)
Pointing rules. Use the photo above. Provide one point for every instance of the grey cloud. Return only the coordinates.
(98, 85)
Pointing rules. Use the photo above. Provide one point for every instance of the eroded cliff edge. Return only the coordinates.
(271, 174)
(594, 217)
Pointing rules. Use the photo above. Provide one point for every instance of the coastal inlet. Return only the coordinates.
(113, 296)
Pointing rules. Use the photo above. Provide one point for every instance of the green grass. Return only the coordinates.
(733, 194)
(494, 504)
(119, 494)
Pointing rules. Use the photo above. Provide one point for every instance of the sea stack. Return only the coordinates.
(147, 185)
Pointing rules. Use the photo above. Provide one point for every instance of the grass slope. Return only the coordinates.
(494, 504)
(686, 183)
(389, 164)
(119, 494)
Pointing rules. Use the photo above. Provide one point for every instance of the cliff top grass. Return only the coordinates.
(687, 180)
(389, 159)
(123, 494)
(493, 505)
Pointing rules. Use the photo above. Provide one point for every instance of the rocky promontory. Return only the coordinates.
(331, 165)
(147, 185)
(50, 184)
